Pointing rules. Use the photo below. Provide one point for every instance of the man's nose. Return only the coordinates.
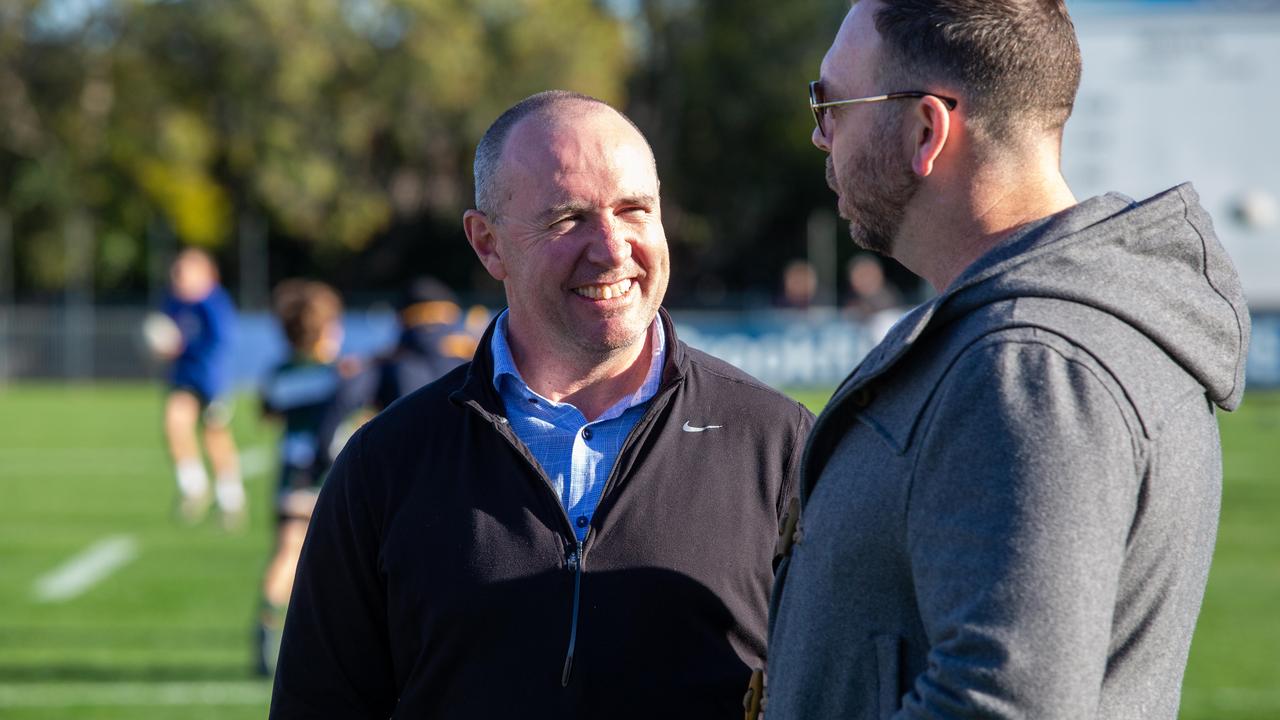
(820, 140)
(611, 243)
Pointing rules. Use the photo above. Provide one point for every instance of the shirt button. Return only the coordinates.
(586, 433)
(582, 521)
(533, 401)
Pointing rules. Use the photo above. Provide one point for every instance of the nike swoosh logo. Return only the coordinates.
(694, 428)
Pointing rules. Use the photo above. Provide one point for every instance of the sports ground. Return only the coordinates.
(110, 610)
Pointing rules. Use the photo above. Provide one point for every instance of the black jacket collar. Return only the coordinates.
(477, 385)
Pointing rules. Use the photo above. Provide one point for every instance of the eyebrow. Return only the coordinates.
(643, 199)
(564, 209)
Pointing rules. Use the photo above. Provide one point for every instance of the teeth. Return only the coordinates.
(605, 292)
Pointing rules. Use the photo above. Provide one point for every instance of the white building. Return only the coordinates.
(1177, 90)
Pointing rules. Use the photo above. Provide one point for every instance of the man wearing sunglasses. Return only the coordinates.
(1009, 508)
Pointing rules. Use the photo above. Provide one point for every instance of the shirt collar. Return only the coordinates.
(504, 366)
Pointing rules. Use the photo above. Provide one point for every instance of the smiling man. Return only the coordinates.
(578, 523)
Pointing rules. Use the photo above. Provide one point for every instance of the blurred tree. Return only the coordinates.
(335, 120)
(347, 128)
(723, 93)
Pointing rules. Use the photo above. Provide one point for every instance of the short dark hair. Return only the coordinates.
(1016, 62)
(489, 152)
(305, 308)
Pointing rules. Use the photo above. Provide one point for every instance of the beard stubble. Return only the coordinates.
(876, 187)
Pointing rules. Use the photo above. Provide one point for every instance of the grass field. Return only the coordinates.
(167, 632)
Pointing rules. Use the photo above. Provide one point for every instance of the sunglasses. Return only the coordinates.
(820, 105)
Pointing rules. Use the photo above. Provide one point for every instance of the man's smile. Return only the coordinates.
(605, 292)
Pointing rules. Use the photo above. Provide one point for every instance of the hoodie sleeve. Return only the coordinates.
(335, 658)
(1021, 502)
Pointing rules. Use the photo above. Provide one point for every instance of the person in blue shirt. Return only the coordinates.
(198, 379)
(300, 392)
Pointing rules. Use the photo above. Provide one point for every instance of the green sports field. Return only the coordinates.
(157, 624)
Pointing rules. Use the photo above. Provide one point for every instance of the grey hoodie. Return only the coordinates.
(1009, 508)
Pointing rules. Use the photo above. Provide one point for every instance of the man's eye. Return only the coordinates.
(566, 220)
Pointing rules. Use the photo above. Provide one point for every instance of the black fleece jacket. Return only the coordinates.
(441, 576)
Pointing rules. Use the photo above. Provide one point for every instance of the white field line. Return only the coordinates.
(90, 461)
(87, 569)
(105, 461)
(257, 461)
(133, 694)
(250, 692)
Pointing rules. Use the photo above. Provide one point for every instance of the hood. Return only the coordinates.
(1156, 265)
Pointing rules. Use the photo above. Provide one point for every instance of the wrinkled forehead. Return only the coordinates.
(591, 143)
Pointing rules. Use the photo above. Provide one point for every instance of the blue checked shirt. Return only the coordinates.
(577, 455)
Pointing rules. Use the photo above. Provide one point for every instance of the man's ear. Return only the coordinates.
(480, 233)
(931, 130)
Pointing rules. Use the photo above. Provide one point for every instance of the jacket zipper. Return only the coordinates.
(575, 564)
(574, 560)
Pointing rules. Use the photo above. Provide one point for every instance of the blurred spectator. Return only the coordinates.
(197, 336)
(434, 339)
(869, 290)
(799, 285)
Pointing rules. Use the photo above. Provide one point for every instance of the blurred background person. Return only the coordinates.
(434, 338)
(799, 285)
(300, 392)
(870, 292)
(199, 337)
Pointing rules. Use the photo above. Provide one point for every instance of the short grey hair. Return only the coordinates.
(488, 162)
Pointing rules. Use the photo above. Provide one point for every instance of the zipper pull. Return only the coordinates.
(574, 563)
